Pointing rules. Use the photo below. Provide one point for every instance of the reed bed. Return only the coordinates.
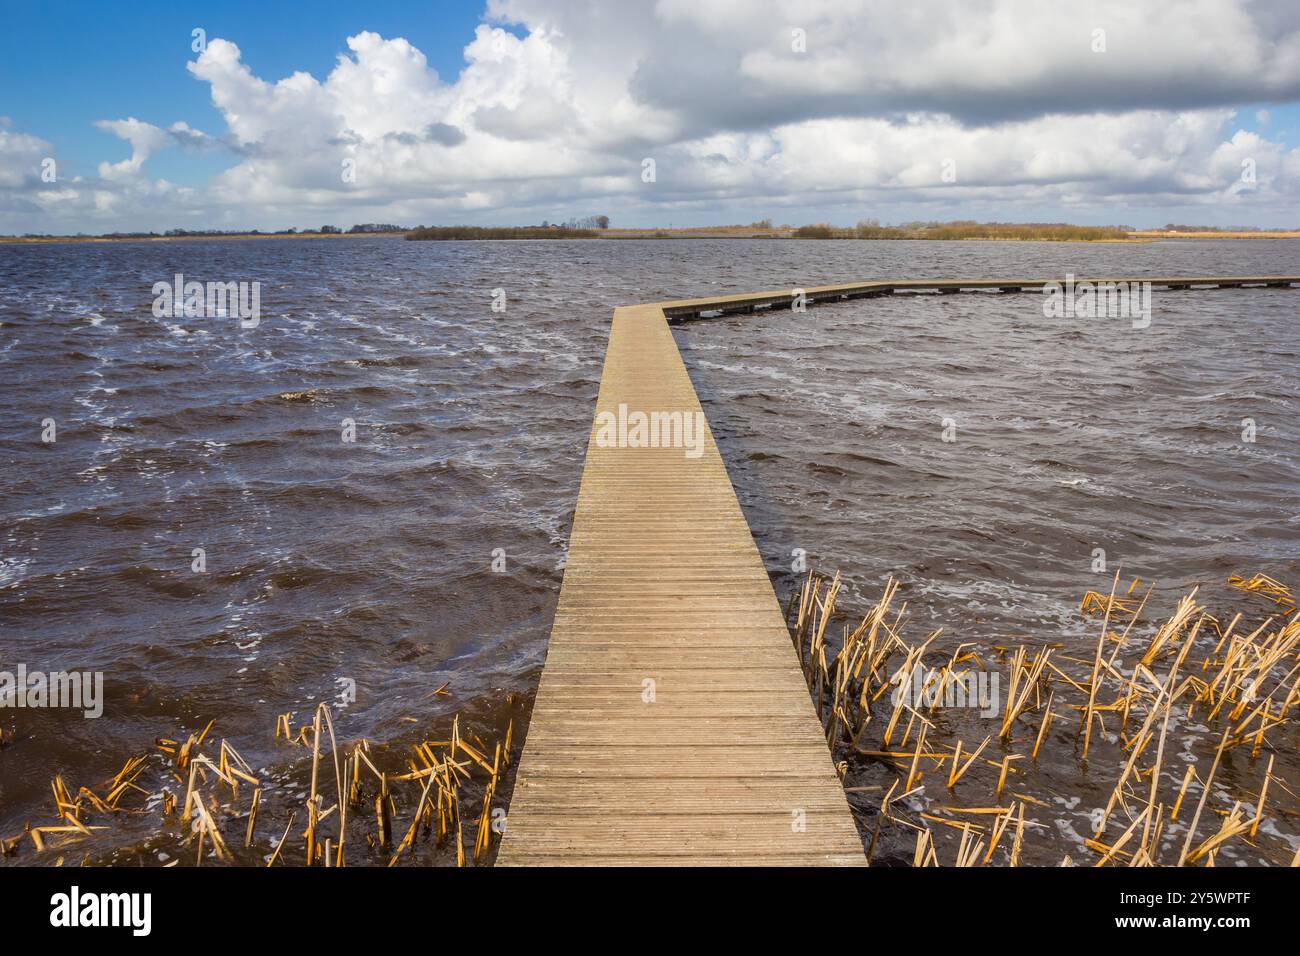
(1160, 746)
(336, 804)
(966, 229)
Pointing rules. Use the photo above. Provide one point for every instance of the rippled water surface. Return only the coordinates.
(332, 562)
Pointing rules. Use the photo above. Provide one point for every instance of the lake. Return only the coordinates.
(209, 531)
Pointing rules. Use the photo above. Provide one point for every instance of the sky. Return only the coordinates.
(157, 115)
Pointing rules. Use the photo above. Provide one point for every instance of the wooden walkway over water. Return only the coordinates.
(672, 724)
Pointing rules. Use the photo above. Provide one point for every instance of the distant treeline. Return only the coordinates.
(964, 229)
(361, 227)
(501, 232)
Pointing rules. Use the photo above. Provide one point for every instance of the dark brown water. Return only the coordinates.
(334, 564)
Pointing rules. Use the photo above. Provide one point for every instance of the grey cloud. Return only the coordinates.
(982, 62)
(444, 133)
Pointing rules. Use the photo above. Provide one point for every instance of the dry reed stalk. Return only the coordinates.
(1000, 827)
(1094, 603)
(189, 789)
(1002, 774)
(955, 774)
(1234, 824)
(880, 820)
(413, 830)
(1044, 724)
(1148, 851)
(313, 805)
(1127, 700)
(252, 817)
(280, 846)
(384, 813)
(484, 836)
(924, 855)
(207, 828)
(1187, 778)
(1173, 629)
(354, 785)
(323, 711)
(912, 774)
(968, 850)
(1017, 703)
(1224, 635)
(125, 780)
(1096, 666)
(68, 832)
(1231, 668)
(362, 751)
(800, 628)
(1205, 793)
(310, 833)
(1020, 836)
(199, 762)
(477, 757)
(1144, 736)
(1151, 814)
(1275, 590)
(962, 825)
(1293, 696)
(1167, 694)
(1114, 848)
(976, 811)
(1263, 794)
(65, 806)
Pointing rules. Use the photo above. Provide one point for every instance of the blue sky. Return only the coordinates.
(546, 109)
(66, 63)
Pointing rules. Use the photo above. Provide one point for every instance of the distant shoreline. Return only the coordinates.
(38, 240)
(1264, 234)
(723, 232)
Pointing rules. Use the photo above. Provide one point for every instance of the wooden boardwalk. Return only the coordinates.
(672, 723)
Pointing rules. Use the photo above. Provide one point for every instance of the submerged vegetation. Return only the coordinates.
(1161, 709)
(336, 806)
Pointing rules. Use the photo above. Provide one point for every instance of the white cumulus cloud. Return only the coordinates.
(809, 109)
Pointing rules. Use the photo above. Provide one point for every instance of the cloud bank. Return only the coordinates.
(800, 110)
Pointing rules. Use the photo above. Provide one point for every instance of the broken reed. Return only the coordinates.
(224, 798)
(1246, 681)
